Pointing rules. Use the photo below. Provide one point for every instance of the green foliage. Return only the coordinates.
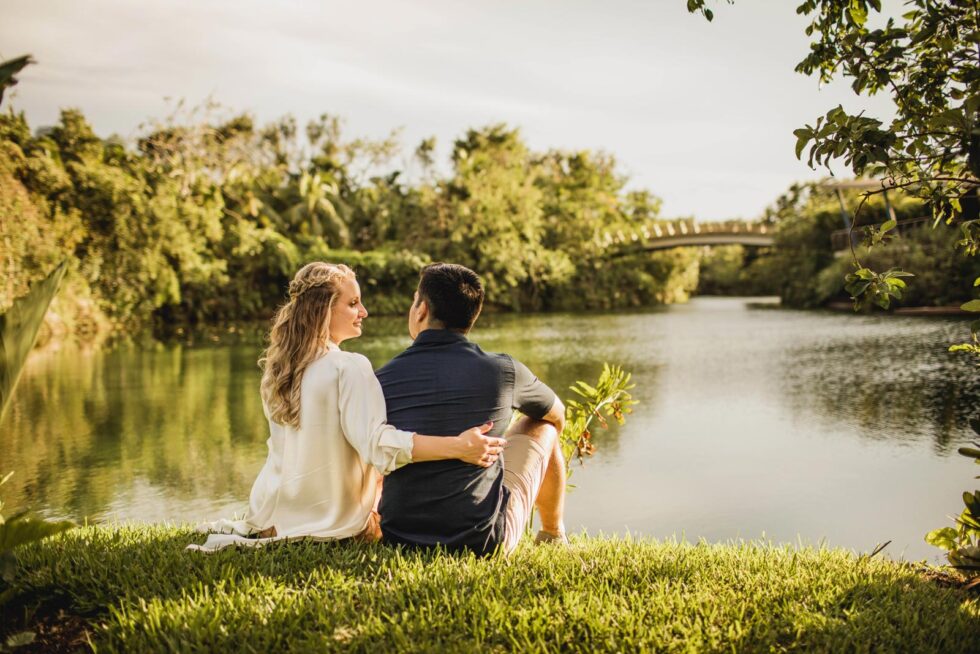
(927, 62)
(962, 543)
(15, 531)
(973, 347)
(209, 216)
(610, 398)
(803, 269)
(18, 330)
(388, 278)
(147, 594)
(700, 7)
(10, 68)
(867, 287)
(736, 270)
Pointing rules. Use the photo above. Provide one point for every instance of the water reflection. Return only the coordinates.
(86, 427)
(751, 421)
(893, 380)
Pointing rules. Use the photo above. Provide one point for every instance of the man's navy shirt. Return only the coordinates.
(442, 385)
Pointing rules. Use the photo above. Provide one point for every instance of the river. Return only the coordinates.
(754, 422)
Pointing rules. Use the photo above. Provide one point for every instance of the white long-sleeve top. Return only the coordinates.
(321, 480)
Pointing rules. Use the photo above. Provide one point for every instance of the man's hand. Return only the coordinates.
(476, 448)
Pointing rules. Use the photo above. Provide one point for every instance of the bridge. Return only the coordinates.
(686, 233)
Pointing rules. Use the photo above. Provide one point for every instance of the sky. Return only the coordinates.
(699, 113)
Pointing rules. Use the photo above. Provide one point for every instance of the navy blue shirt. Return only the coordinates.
(444, 384)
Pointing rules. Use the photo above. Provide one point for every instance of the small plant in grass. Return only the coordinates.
(962, 543)
(19, 529)
(610, 398)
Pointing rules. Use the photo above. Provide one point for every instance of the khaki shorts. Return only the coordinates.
(525, 462)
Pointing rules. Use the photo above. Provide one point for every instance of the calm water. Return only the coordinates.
(754, 422)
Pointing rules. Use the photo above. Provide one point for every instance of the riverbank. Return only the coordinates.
(137, 589)
(950, 311)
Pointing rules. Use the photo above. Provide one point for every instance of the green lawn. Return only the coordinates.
(142, 592)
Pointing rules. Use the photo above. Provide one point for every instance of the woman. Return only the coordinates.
(328, 437)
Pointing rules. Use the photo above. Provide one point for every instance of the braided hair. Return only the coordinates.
(300, 334)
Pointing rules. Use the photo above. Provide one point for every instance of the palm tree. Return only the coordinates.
(309, 204)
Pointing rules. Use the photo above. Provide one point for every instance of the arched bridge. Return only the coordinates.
(686, 233)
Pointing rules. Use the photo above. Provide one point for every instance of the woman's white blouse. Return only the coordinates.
(321, 480)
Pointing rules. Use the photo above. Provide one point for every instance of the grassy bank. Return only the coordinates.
(139, 590)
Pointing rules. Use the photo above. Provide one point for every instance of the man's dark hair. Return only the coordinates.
(454, 294)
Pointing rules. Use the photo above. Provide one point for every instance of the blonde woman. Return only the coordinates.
(328, 437)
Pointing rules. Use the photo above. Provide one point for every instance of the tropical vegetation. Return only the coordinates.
(204, 220)
(19, 325)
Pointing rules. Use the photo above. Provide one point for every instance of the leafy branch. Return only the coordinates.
(962, 543)
(868, 287)
(973, 347)
(610, 398)
(10, 68)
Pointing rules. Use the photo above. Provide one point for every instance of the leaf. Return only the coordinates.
(20, 639)
(967, 520)
(888, 225)
(803, 136)
(972, 503)
(944, 538)
(10, 68)
(19, 327)
(21, 530)
(969, 452)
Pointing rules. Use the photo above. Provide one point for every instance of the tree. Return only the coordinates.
(492, 217)
(928, 62)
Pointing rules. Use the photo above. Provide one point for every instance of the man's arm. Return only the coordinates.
(556, 415)
(535, 399)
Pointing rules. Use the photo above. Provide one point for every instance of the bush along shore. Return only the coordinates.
(136, 589)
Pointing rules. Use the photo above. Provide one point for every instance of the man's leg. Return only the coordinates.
(551, 497)
(534, 472)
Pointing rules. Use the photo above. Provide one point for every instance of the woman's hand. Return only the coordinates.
(477, 448)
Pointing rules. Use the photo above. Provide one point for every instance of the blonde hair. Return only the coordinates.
(300, 333)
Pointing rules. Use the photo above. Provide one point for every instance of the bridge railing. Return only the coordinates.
(674, 228)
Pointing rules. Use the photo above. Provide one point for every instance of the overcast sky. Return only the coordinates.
(700, 113)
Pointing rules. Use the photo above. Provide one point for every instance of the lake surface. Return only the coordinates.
(753, 422)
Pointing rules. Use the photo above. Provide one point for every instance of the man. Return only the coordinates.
(443, 384)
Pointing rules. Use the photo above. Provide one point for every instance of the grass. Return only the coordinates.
(140, 591)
